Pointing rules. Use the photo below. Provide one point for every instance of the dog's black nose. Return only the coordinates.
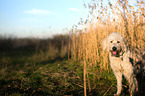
(114, 48)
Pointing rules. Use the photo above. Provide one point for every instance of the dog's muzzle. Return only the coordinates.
(115, 51)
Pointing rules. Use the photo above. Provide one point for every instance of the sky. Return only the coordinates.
(39, 18)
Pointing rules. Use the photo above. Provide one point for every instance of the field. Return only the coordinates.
(73, 64)
(40, 69)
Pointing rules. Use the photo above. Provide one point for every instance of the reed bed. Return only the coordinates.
(105, 17)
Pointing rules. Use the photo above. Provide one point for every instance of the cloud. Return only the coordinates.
(74, 9)
(37, 11)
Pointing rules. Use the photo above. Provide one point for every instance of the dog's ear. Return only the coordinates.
(105, 44)
(125, 45)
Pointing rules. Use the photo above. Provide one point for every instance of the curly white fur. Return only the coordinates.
(119, 56)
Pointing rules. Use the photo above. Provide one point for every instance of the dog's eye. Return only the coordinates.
(111, 41)
(118, 41)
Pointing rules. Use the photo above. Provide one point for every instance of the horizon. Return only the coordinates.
(35, 19)
(39, 19)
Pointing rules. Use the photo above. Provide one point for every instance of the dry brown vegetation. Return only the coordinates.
(127, 18)
(103, 19)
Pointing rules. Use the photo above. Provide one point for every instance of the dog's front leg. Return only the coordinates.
(133, 85)
(119, 82)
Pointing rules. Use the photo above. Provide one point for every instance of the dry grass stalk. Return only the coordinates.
(85, 86)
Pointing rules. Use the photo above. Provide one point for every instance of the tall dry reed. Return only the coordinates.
(104, 18)
(121, 16)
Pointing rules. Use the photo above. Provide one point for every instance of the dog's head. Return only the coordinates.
(115, 44)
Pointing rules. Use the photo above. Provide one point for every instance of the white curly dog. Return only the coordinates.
(124, 61)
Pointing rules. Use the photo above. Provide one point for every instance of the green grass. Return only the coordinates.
(23, 71)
